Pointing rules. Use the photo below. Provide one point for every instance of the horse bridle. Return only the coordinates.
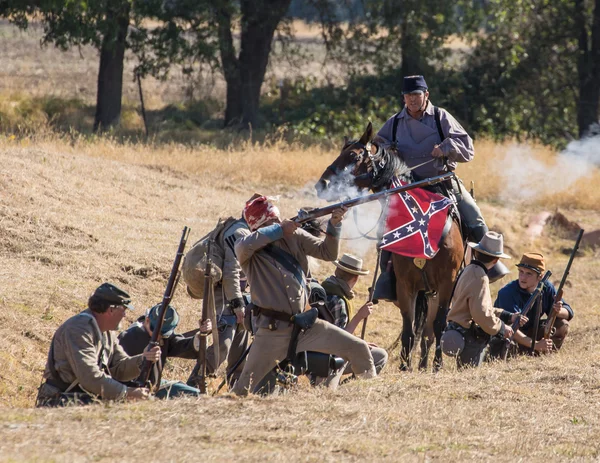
(374, 166)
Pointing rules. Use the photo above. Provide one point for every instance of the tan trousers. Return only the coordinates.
(270, 347)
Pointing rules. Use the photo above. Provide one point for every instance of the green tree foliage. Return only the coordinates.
(100, 23)
(523, 78)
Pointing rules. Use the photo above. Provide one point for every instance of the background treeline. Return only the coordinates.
(505, 68)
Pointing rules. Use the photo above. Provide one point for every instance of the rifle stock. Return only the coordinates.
(305, 216)
(143, 379)
(201, 378)
(371, 290)
(559, 292)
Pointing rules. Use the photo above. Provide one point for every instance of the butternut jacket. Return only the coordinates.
(271, 285)
(472, 301)
(80, 351)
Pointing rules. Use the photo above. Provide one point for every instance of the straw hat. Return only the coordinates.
(491, 244)
(351, 264)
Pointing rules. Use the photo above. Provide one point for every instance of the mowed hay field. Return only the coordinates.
(75, 214)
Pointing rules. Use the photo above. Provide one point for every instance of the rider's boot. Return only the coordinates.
(499, 270)
(385, 287)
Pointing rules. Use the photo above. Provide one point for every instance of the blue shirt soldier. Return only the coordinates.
(432, 142)
(139, 335)
(515, 295)
(86, 363)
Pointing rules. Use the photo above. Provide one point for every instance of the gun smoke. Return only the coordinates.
(526, 177)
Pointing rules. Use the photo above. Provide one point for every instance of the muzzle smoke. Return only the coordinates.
(527, 178)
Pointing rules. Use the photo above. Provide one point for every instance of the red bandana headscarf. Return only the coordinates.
(258, 211)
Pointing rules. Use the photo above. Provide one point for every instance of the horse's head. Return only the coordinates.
(350, 169)
(361, 165)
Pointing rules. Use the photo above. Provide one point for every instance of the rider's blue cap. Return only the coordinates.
(414, 84)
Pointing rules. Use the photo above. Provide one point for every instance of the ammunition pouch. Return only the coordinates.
(478, 334)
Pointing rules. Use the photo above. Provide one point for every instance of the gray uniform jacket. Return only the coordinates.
(79, 348)
(271, 285)
(415, 140)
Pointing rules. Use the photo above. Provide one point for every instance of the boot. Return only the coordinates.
(385, 287)
(497, 271)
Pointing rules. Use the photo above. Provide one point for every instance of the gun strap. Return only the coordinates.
(287, 261)
(438, 123)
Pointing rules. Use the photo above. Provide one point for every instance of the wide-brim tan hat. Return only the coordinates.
(351, 264)
(491, 244)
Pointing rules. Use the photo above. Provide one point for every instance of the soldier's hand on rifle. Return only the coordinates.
(557, 307)
(508, 331)
(544, 346)
(137, 393)
(206, 327)
(437, 152)
(152, 354)
(289, 227)
(365, 311)
(338, 215)
(522, 319)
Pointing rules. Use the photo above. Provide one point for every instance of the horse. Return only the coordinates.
(365, 166)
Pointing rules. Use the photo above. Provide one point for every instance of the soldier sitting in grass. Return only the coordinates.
(137, 336)
(514, 296)
(337, 295)
(86, 363)
(472, 319)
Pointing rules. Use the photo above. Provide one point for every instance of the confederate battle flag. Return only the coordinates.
(415, 222)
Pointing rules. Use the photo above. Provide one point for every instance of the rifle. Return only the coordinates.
(144, 378)
(372, 290)
(305, 216)
(201, 377)
(531, 300)
(559, 292)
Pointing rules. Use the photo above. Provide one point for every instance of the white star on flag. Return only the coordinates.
(410, 228)
(396, 235)
(421, 222)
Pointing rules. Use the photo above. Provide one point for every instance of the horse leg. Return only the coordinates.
(406, 302)
(427, 337)
(439, 325)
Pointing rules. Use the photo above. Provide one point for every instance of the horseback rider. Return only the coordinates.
(431, 141)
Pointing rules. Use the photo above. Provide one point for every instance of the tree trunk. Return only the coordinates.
(588, 67)
(110, 75)
(409, 54)
(231, 67)
(260, 18)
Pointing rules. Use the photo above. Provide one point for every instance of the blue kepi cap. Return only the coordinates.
(414, 84)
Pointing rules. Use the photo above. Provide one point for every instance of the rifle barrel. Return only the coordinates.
(559, 291)
(167, 297)
(305, 216)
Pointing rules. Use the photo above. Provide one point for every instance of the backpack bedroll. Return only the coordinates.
(194, 262)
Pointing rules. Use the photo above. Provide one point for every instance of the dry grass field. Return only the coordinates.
(76, 213)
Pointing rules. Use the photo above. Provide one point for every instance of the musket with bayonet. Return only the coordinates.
(559, 292)
(305, 216)
(143, 379)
